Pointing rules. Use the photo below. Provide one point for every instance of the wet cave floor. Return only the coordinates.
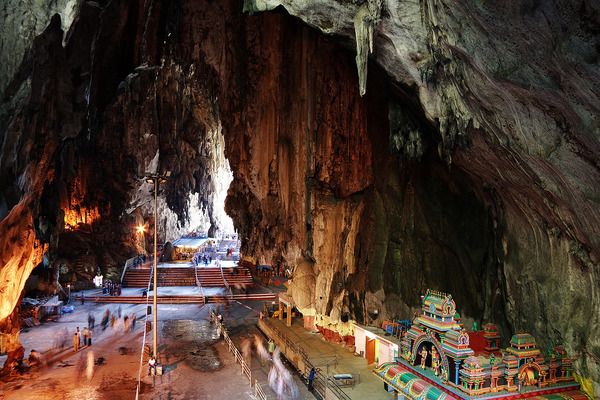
(192, 343)
(197, 364)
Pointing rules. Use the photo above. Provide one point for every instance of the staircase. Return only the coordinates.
(137, 277)
(184, 276)
(211, 277)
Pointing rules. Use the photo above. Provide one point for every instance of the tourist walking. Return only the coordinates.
(311, 378)
(86, 333)
(152, 366)
(76, 340)
(89, 337)
(271, 346)
(105, 318)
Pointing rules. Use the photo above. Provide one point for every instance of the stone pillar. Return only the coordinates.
(280, 311)
(456, 369)
(288, 320)
(309, 323)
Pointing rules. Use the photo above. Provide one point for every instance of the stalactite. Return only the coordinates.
(365, 22)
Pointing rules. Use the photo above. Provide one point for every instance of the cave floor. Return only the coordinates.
(197, 364)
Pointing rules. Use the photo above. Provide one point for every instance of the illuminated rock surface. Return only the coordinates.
(470, 165)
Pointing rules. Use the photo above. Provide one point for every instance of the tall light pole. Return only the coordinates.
(156, 179)
(141, 229)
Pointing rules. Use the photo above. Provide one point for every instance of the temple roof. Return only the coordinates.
(522, 339)
(439, 303)
(407, 383)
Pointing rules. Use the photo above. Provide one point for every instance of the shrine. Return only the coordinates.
(436, 355)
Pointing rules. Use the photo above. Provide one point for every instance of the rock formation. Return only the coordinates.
(377, 148)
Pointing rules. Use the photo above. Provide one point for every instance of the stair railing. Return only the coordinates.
(128, 264)
(225, 282)
(199, 284)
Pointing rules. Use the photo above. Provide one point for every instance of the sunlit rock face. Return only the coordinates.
(398, 146)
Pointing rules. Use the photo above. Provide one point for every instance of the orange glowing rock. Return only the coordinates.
(80, 215)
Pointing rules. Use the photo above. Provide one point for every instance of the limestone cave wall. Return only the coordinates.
(377, 149)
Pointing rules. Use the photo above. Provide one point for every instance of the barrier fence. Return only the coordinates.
(258, 390)
(322, 382)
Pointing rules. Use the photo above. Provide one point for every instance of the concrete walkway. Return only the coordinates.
(331, 359)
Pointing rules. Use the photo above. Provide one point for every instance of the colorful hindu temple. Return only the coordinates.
(437, 362)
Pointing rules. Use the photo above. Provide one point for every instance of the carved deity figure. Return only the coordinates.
(435, 361)
(423, 356)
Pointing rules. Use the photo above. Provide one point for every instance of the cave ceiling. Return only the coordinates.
(377, 148)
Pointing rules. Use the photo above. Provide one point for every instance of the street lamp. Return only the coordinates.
(141, 229)
(156, 179)
(69, 295)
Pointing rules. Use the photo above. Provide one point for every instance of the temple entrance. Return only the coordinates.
(423, 348)
(529, 374)
(370, 350)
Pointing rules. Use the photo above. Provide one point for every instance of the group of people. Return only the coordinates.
(202, 259)
(111, 288)
(139, 260)
(114, 320)
(82, 339)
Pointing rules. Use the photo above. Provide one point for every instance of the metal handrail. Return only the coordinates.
(198, 283)
(238, 356)
(321, 382)
(258, 391)
(225, 282)
(137, 390)
(128, 264)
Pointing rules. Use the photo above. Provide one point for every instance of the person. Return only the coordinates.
(91, 321)
(144, 292)
(89, 337)
(76, 341)
(35, 358)
(105, 318)
(152, 366)
(311, 378)
(133, 320)
(86, 333)
(271, 346)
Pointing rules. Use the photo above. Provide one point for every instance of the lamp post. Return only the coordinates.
(141, 229)
(69, 295)
(156, 179)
